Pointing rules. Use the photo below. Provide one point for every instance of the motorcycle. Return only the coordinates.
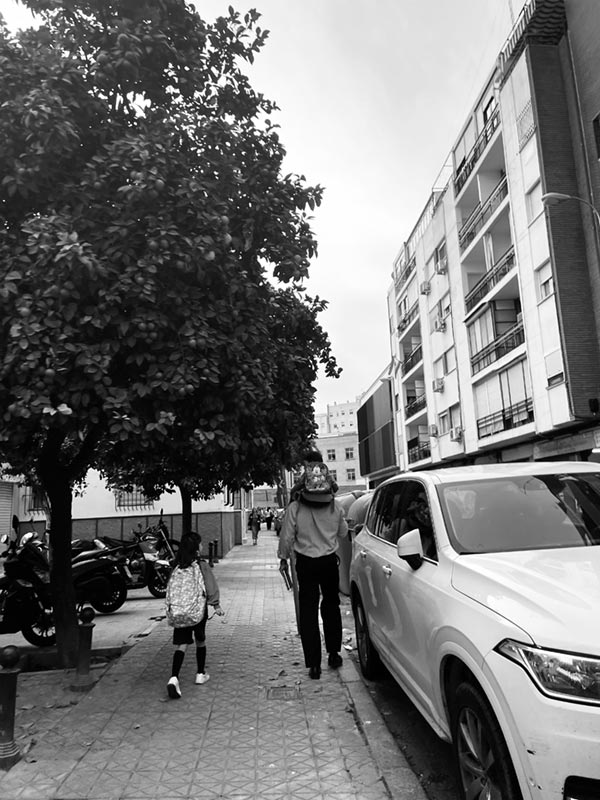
(142, 564)
(98, 582)
(25, 595)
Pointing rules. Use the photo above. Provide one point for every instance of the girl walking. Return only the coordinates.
(192, 588)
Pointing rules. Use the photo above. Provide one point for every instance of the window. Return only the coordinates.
(331, 455)
(349, 453)
(446, 364)
(134, 499)
(444, 306)
(544, 281)
(440, 258)
(533, 202)
(450, 418)
(35, 500)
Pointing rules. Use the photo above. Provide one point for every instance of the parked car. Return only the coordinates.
(479, 589)
(348, 502)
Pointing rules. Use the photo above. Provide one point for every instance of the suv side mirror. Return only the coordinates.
(410, 549)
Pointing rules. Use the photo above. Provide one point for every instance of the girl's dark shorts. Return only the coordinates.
(187, 635)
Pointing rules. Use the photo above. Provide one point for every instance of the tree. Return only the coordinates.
(255, 439)
(142, 203)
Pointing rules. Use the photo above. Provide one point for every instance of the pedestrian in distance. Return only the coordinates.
(191, 589)
(269, 517)
(255, 519)
(312, 526)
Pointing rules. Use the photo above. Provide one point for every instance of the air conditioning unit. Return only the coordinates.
(439, 324)
(425, 287)
(441, 266)
(456, 433)
(519, 318)
(438, 384)
(433, 430)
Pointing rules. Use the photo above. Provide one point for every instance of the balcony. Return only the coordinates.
(508, 418)
(501, 268)
(476, 151)
(482, 213)
(405, 274)
(412, 359)
(410, 315)
(414, 405)
(498, 348)
(418, 450)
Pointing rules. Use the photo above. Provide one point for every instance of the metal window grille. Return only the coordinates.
(136, 499)
(34, 500)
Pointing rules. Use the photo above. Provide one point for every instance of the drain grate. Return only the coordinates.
(283, 693)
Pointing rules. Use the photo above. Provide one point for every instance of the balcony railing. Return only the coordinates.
(481, 214)
(512, 417)
(415, 404)
(408, 317)
(403, 276)
(501, 268)
(498, 348)
(412, 359)
(476, 151)
(418, 451)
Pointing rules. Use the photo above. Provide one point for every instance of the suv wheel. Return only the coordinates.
(368, 657)
(483, 764)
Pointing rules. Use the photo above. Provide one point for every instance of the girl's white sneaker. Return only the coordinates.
(202, 677)
(173, 688)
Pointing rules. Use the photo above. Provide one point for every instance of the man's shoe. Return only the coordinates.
(334, 660)
(314, 673)
(173, 689)
(202, 677)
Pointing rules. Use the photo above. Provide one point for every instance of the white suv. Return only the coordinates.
(479, 588)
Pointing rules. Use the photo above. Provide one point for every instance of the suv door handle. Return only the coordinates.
(363, 553)
(387, 570)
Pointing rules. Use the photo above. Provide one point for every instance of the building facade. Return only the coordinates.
(337, 440)
(495, 303)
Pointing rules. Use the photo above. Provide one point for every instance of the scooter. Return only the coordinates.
(25, 596)
(98, 582)
(139, 565)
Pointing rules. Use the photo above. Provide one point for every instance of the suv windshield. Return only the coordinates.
(523, 513)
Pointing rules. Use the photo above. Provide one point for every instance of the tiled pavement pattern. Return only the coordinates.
(258, 729)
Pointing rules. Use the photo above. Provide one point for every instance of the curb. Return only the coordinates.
(398, 776)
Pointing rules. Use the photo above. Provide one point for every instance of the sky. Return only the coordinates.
(372, 96)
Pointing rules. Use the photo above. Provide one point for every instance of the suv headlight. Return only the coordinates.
(561, 675)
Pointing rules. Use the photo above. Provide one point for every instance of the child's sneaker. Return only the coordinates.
(202, 677)
(173, 689)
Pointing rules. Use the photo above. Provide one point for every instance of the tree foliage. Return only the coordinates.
(143, 216)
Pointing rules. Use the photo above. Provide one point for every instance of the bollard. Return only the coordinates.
(215, 551)
(9, 752)
(83, 680)
(210, 554)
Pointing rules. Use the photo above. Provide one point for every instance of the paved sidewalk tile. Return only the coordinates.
(259, 728)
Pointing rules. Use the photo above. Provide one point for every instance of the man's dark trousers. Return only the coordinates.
(318, 577)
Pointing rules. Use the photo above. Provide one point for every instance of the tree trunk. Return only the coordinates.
(186, 510)
(58, 489)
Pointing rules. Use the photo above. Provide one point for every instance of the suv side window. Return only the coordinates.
(416, 513)
(385, 519)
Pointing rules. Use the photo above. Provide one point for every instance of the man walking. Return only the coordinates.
(312, 526)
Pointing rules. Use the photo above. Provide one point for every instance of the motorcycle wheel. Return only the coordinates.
(115, 599)
(42, 631)
(157, 583)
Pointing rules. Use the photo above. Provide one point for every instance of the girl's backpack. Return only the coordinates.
(185, 601)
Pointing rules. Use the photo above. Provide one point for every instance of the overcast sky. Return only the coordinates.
(373, 94)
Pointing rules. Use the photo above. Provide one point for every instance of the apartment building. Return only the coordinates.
(337, 440)
(495, 303)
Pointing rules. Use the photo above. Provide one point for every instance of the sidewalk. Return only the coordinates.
(259, 729)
